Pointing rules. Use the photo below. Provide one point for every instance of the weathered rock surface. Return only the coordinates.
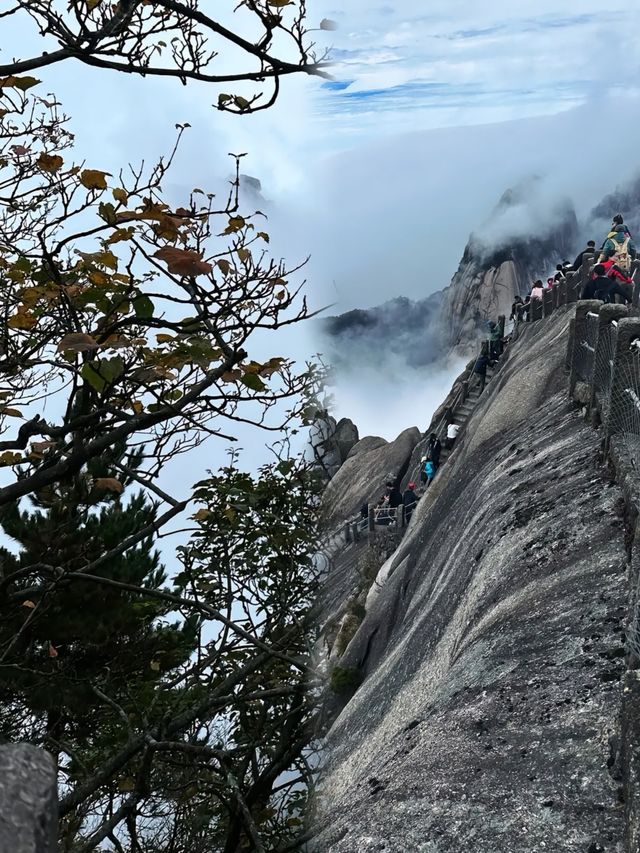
(363, 476)
(370, 442)
(331, 441)
(493, 653)
(496, 267)
(28, 800)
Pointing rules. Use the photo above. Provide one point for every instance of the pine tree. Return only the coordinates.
(79, 657)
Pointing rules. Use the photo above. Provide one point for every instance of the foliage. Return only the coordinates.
(264, 39)
(179, 710)
(344, 680)
(132, 314)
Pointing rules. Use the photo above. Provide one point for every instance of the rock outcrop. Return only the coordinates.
(331, 442)
(362, 477)
(499, 264)
(492, 654)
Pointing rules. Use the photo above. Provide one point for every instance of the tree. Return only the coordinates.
(266, 39)
(126, 324)
(132, 314)
(88, 648)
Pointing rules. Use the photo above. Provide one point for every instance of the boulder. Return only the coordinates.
(371, 442)
(362, 477)
(345, 437)
(28, 800)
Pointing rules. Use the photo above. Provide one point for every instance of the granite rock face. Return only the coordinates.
(28, 800)
(331, 442)
(492, 654)
(362, 477)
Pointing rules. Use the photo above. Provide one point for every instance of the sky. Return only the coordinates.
(381, 173)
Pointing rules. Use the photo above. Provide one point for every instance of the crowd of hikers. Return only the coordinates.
(611, 276)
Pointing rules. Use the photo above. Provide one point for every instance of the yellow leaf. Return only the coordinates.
(97, 277)
(9, 458)
(137, 407)
(77, 342)
(224, 265)
(120, 195)
(235, 224)
(244, 255)
(49, 162)
(28, 603)
(164, 339)
(202, 514)
(93, 179)
(22, 321)
(109, 484)
(264, 236)
(155, 665)
(11, 413)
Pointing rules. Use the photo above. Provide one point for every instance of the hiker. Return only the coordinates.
(523, 310)
(590, 250)
(602, 287)
(434, 449)
(550, 283)
(430, 471)
(480, 369)
(423, 473)
(452, 434)
(393, 494)
(382, 512)
(560, 274)
(613, 271)
(619, 247)
(494, 340)
(537, 290)
(516, 312)
(409, 499)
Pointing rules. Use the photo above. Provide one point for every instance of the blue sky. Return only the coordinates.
(403, 66)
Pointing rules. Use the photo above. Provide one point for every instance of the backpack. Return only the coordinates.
(621, 256)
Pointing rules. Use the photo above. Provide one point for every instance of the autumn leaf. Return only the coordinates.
(53, 652)
(235, 224)
(183, 262)
(155, 666)
(109, 484)
(9, 458)
(224, 266)
(49, 162)
(244, 255)
(240, 102)
(120, 195)
(137, 407)
(77, 342)
(202, 514)
(28, 603)
(253, 381)
(126, 784)
(21, 320)
(10, 413)
(22, 83)
(264, 236)
(164, 339)
(93, 179)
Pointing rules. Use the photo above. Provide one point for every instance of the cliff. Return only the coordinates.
(492, 648)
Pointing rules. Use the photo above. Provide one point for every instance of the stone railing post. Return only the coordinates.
(535, 311)
(464, 391)
(547, 303)
(563, 291)
(355, 531)
(28, 800)
(606, 315)
(627, 331)
(579, 333)
(572, 334)
(347, 533)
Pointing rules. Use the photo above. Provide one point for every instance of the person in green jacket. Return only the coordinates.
(619, 247)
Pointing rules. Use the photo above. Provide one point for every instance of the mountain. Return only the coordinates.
(483, 697)
(502, 260)
(404, 328)
(523, 239)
